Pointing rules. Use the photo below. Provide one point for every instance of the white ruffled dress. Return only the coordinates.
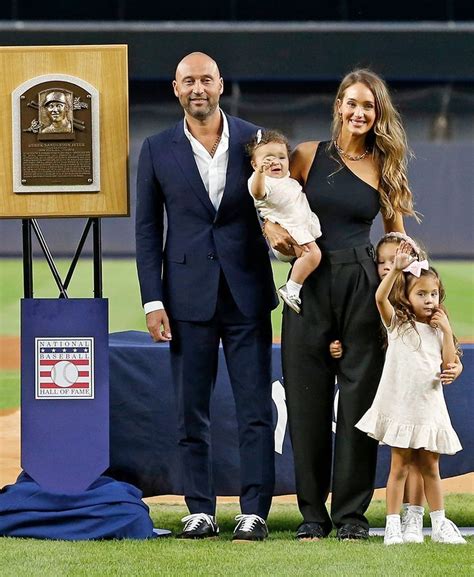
(409, 410)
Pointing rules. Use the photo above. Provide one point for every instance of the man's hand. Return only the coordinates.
(158, 325)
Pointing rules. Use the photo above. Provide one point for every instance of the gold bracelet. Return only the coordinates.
(263, 230)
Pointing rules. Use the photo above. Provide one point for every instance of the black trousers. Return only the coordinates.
(337, 302)
(247, 345)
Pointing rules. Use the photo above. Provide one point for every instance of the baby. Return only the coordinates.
(280, 199)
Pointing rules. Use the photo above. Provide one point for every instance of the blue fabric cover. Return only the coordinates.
(143, 426)
(108, 509)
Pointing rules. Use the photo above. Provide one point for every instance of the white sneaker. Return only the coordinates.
(412, 527)
(447, 532)
(393, 531)
(291, 300)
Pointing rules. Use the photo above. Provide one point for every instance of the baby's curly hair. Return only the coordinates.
(264, 137)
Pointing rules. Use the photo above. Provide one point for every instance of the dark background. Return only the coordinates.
(281, 63)
(276, 10)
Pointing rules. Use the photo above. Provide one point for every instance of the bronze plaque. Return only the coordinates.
(55, 139)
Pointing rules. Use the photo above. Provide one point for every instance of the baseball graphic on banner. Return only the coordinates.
(64, 368)
(64, 374)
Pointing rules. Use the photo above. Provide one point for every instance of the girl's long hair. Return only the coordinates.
(404, 316)
(388, 142)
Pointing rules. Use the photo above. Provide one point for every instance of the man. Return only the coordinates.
(211, 282)
(56, 108)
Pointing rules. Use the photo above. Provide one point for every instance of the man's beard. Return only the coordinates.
(201, 113)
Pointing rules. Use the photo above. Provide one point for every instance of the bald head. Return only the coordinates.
(194, 61)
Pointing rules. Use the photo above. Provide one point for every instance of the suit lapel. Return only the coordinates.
(184, 157)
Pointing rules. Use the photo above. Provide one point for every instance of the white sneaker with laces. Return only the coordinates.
(412, 527)
(393, 531)
(447, 532)
(291, 300)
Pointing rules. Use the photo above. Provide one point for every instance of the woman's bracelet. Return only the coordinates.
(263, 229)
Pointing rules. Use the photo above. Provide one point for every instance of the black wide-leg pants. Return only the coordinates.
(338, 301)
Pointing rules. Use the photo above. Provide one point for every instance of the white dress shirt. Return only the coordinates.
(213, 171)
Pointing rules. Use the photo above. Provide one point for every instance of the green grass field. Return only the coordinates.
(279, 556)
(126, 313)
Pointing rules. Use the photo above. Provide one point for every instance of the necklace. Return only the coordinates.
(215, 145)
(348, 156)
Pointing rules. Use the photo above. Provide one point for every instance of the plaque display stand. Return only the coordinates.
(30, 225)
(64, 373)
(64, 109)
(62, 492)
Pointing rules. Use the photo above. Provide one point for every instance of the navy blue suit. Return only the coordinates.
(214, 277)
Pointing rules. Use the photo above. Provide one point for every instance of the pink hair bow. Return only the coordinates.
(416, 267)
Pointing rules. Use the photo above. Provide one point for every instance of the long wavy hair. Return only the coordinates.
(405, 318)
(387, 141)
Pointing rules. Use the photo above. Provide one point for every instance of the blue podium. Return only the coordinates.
(64, 392)
(62, 493)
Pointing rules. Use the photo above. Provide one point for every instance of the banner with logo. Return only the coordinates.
(64, 392)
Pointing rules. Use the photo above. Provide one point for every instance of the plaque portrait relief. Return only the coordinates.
(56, 135)
(56, 112)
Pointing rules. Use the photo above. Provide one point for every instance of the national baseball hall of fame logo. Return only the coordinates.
(64, 368)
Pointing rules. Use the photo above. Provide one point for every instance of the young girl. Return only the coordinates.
(409, 412)
(280, 198)
(414, 494)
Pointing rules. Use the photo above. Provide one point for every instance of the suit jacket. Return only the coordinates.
(200, 241)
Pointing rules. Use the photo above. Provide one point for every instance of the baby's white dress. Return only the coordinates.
(286, 203)
(409, 409)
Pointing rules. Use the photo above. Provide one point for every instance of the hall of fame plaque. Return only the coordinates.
(56, 135)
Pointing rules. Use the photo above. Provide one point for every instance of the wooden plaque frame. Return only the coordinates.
(106, 69)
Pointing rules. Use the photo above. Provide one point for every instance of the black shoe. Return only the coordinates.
(199, 526)
(311, 531)
(352, 532)
(250, 528)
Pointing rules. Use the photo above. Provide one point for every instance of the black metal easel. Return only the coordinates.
(29, 224)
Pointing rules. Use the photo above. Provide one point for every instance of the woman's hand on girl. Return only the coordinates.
(450, 373)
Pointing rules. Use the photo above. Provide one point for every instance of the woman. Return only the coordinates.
(347, 181)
